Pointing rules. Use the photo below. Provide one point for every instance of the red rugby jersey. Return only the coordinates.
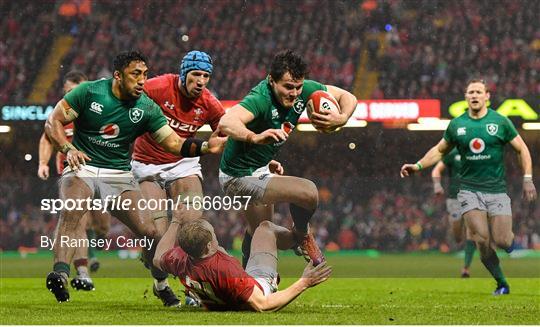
(60, 157)
(218, 281)
(184, 115)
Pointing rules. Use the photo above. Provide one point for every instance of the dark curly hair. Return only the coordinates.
(288, 61)
(123, 59)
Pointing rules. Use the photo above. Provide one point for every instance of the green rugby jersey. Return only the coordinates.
(106, 126)
(241, 158)
(480, 143)
(452, 161)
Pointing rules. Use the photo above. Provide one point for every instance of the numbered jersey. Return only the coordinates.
(184, 115)
(218, 281)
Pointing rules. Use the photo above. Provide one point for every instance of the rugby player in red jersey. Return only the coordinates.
(218, 280)
(188, 105)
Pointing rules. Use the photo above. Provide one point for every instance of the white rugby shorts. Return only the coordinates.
(253, 186)
(164, 174)
(497, 204)
(103, 181)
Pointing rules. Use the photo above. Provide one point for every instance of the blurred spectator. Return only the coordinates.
(365, 205)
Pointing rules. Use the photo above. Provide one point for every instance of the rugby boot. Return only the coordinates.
(311, 250)
(94, 265)
(57, 284)
(82, 283)
(502, 290)
(167, 296)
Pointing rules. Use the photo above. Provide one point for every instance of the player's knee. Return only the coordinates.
(482, 238)
(72, 217)
(265, 227)
(503, 241)
(309, 194)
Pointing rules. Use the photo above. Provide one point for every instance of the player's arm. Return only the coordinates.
(529, 191)
(45, 152)
(188, 147)
(434, 155)
(331, 119)
(436, 175)
(312, 276)
(62, 115)
(234, 122)
(166, 243)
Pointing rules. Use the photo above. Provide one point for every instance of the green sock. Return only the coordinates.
(91, 249)
(491, 262)
(470, 247)
(61, 267)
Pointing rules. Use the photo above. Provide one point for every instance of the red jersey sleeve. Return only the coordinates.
(172, 260)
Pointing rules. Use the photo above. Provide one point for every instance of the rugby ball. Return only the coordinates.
(319, 102)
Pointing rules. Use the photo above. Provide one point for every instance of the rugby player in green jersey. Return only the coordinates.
(452, 163)
(480, 135)
(257, 127)
(93, 221)
(109, 114)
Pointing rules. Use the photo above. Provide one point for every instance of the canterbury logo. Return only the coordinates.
(96, 107)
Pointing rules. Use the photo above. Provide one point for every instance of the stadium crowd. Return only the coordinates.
(430, 52)
(425, 55)
(363, 203)
(25, 36)
(239, 47)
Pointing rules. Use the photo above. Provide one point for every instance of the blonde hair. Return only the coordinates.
(477, 80)
(194, 236)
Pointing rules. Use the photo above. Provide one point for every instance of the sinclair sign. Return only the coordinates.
(368, 110)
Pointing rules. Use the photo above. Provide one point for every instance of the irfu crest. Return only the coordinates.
(135, 115)
(492, 128)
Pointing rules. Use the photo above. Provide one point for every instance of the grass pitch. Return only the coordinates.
(390, 289)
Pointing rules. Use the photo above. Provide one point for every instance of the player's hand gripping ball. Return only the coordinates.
(322, 102)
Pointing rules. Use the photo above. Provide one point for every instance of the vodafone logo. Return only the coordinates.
(477, 145)
(109, 131)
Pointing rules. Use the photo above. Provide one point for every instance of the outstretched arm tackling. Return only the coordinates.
(312, 276)
(166, 243)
